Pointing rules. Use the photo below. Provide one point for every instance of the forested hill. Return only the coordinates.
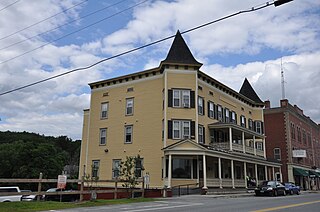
(25, 155)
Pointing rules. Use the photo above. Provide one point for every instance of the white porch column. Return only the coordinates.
(198, 170)
(169, 171)
(220, 179)
(254, 145)
(204, 172)
(245, 174)
(230, 138)
(273, 177)
(256, 170)
(232, 174)
(280, 174)
(243, 143)
(266, 172)
(164, 167)
(264, 148)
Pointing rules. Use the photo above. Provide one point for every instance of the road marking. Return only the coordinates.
(162, 208)
(286, 206)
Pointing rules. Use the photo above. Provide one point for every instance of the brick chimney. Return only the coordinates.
(284, 103)
(267, 104)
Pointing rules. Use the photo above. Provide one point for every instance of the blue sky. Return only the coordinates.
(249, 46)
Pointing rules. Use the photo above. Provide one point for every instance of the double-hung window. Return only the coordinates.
(95, 168)
(104, 110)
(277, 153)
(233, 117)
(181, 98)
(211, 110)
(200, 134)
(243, 121)
(128, 134)
(103, 136)
(116, 168)
(258, 127)
(138, 167)
(129, 106)
(219, 112)
(200, 106)
(250, 124)
(227, 115)
(181, 129)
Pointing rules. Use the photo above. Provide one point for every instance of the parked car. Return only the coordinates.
(291, 188)
(64, 197)
(271, 188)
(30, 197)
(10, 198)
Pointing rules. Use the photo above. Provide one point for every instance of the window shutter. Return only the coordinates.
(215, 109)
(245, 122)
(193, 129)
(170, 97)
(204, 135)
(262, 128)
(208, 106)
(236, 117)
(203, 106)
(169, 129)
(192, 99)
(254, 126)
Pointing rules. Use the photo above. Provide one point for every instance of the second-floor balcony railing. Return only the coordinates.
(239, 148)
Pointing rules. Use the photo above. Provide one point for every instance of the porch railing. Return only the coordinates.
(184, 187)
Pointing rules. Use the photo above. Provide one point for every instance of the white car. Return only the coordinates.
(11, 198)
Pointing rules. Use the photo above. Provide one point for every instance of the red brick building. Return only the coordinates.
(294, 139)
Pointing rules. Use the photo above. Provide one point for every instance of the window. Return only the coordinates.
(138, 167)
(258, 126)
(211, 110)
(103, 136)
(181, 98)
(299, 134)
(233, 117)
(201, 134)
(277, 153)
(130, 89)
(243, 121)
(293, 131)
(129, 106)
(104, 110)
(219, 113)
(200, 106)
(259, 145)
(304, 137)
(95, 168)
(116, 168)
(250, 124)
(227, 115)
(181, 129)
(181, 168)
(128, 134)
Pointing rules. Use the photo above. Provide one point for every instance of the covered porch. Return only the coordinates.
(187, 162)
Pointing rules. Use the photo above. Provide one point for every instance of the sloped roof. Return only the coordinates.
(180, 53)
(248, 91)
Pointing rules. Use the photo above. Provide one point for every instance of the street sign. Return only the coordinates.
(62, 181)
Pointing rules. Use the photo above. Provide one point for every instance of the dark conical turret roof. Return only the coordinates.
(180, 53)
(248, 91)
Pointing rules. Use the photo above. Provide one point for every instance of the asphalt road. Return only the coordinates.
(302, 203)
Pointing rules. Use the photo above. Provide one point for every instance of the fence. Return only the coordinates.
(115, 190)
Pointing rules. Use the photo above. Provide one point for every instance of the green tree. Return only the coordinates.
(129, 172)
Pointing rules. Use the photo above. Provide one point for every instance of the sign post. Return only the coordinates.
(61, 184)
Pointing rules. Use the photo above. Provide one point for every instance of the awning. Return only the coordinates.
(314, 174)
(300, 172)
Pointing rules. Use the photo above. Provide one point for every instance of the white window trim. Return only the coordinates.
(211, 110)
(181, 94)
(128, 102)
(125, 134)
(101, 136)
(115, 168)
(104, 110)
(181, 129)
(274, 153)
(200, 134)
(200, 105)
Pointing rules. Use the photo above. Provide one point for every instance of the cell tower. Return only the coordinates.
(282, 81)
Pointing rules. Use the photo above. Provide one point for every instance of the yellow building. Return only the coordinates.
(187, 127)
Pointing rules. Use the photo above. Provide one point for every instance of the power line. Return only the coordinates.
(55, 28)
(267, 4)
(9, 5)
(71, 33)
(43, 20)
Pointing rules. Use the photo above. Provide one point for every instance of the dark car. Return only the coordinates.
(291, 188)
(270, 188)
(65, 197)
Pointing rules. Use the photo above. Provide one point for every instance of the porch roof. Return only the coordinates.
(189, 147)
(238, 128)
